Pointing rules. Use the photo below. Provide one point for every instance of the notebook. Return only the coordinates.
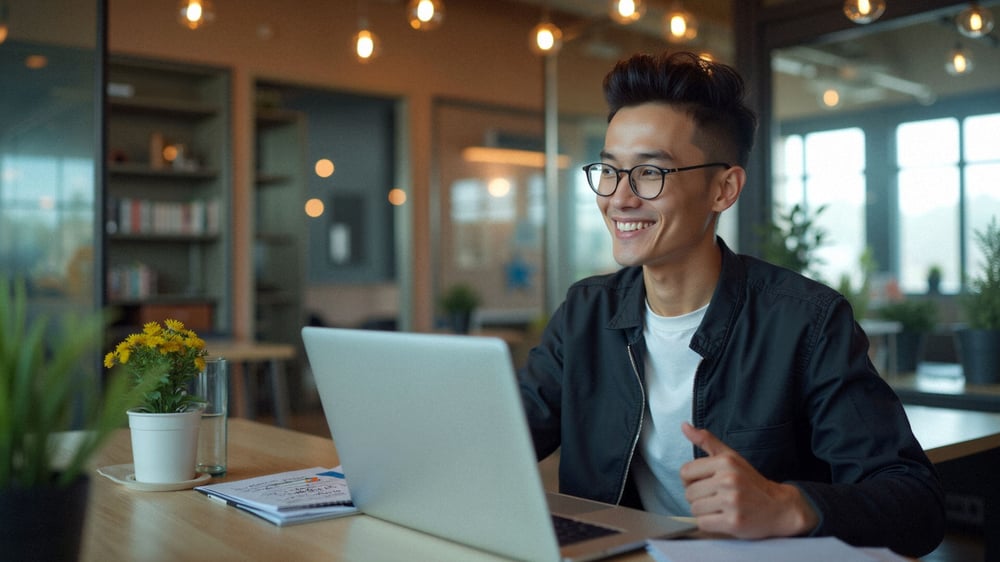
(431, 434)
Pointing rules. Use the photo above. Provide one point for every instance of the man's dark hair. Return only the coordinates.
(711, 92)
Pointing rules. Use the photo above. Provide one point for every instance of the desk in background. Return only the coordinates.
(242, 356)
(942, 385)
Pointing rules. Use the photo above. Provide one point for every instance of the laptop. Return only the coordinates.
(431, 434)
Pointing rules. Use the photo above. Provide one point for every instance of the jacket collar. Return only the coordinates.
(726, 301)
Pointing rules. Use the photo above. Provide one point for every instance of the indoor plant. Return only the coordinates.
(165, 424)
(47, 388)
(917, 317)
(979, 343)
(792, 239)
(458, 304)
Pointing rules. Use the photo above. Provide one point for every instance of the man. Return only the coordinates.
(695, 381)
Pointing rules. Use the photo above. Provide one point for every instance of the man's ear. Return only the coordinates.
(729, 186)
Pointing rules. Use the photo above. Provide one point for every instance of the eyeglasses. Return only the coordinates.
(646, 180)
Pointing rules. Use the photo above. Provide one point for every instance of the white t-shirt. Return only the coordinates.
(670, 367)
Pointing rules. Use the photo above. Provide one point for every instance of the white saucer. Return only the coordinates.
(124, 474)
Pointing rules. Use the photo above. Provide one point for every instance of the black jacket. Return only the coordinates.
(784, 379)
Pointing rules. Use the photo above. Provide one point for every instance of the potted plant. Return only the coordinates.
(918, 318)
(458, 303)
(54, 415)
(859, 298)
(792, 239)
(934, 274)
(165, 424)
(979, 343)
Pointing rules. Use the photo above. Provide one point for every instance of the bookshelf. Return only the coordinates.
(279, 220)
(168, 194)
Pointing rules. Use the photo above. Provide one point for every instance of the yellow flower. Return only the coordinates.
(170, 349)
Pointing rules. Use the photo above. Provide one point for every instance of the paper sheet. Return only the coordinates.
(819, 549)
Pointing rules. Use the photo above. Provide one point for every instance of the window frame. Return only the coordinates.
(879, 127)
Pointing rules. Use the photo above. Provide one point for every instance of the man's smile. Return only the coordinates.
(632, 226)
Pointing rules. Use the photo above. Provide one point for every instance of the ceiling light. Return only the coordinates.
(974, 21)
(366, 45)
(959, 61)
(546, 38)
(830, 98)
(194, 14)
(679, 25)
(425, 15)
(863, 11)
(510, 156)
(626, 11)
(4, 22)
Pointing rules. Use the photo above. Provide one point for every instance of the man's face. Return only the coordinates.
(681, 220)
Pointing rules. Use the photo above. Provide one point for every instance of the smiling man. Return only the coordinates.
(696, 381)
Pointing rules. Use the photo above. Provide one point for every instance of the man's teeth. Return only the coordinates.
(630, 226)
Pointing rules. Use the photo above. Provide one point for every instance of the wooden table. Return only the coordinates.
(241, 356)
(947, 434)
(123, 524)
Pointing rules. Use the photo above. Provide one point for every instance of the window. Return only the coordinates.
(981, 179)
(949, 187)
(827, 168)
(928, 179)
(912, 183)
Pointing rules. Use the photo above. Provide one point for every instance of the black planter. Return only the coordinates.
(460, 321)
(979, 351)
(43, 523)
(909, 349)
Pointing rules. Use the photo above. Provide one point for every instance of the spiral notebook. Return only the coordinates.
(285, 498)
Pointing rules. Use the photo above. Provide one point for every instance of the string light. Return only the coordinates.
(626, 11)
(959, 61)
(679, 25)
(830, 98)
(974, 21)
(425, 15)
(194, 14)
(4, 19)
(546, 38)
(864, 11)
(366, 45)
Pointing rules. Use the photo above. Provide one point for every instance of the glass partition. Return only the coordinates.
(880, 127)
(49, 152)
(491, 208)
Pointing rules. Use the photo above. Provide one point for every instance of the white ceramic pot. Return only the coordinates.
(164, 446)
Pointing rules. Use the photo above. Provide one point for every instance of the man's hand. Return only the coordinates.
(729, 496)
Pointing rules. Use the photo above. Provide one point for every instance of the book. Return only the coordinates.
(285, 498)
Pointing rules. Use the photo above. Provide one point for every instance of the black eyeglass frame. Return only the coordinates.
(631, 180)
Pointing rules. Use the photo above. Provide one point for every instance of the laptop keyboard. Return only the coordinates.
(569, 531)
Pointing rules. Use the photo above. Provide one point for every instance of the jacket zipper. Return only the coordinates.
(638, 429)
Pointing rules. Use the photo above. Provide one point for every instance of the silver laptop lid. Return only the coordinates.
(431, 433)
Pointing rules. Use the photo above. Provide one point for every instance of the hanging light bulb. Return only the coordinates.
(974, 21)
(425, 15)
(4, 21)
(194, 14)
(679, 25)
(830, 98)
(959, 61)
(366, 45)
(863, 11)
(626, 11)
(546, 38)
